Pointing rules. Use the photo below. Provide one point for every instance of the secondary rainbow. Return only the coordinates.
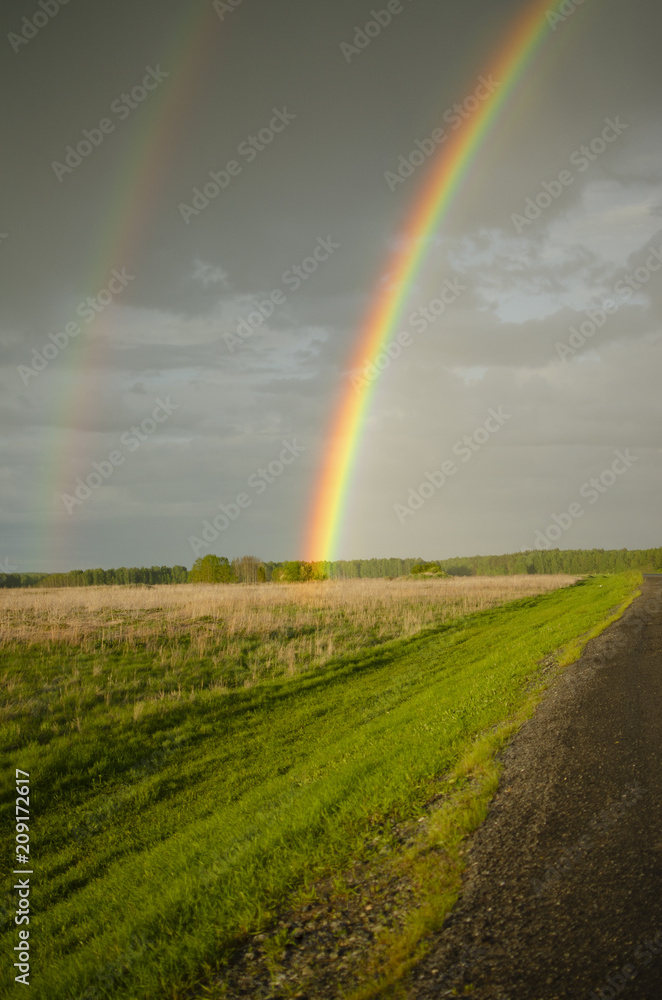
(129, 212)
(332, 489)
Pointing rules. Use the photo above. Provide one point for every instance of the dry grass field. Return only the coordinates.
(268, 628)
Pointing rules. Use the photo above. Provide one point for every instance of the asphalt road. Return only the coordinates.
(563, 892)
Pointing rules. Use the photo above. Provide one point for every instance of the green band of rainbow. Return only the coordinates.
(331, 495)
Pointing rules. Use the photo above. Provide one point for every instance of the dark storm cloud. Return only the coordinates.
(196, 325)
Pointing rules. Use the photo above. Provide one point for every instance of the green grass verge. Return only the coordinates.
(158, 841)
(477, 773)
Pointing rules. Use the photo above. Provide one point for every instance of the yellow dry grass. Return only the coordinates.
(284, 626)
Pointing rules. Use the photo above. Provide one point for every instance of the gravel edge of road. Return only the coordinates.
(469, 936)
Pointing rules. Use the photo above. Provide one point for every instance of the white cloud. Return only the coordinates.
(572, 261)
(209, 274)
(613, 221)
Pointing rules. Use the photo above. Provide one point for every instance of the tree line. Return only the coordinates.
(98, 577)
(572, 561)
(249, 569)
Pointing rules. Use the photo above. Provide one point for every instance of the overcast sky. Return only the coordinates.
(169, 92)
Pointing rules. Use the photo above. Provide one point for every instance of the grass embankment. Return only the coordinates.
(160, 837)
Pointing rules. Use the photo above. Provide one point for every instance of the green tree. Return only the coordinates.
(291, 571)
(427, 569)
(179, 574)
(319, 570)
(247, 569)
(298, 571)
(212, 569)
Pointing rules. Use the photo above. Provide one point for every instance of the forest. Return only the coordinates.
(249, 569)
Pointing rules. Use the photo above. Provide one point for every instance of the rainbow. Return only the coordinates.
(119, 242)
(332, 489)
